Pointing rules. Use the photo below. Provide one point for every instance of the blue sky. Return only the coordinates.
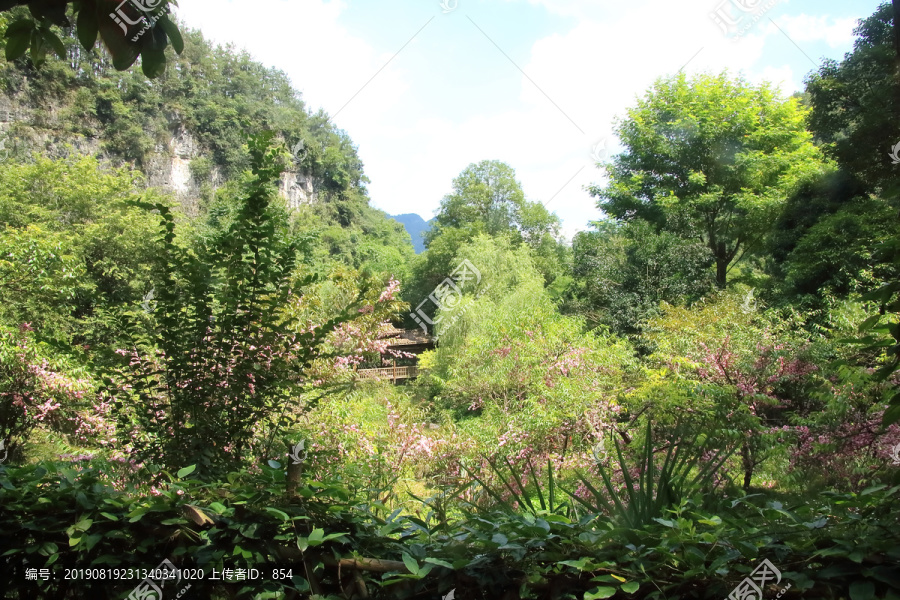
(425, 89)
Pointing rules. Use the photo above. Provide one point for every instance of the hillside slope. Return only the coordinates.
(186, 132)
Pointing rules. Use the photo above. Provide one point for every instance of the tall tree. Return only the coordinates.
(856, 111)
(856, 105)
(487, 198)
(623, 272)
(710, 158)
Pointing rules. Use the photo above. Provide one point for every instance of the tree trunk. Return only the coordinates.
(747, 463)
(722, 269)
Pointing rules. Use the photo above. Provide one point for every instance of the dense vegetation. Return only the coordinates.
(705, 380)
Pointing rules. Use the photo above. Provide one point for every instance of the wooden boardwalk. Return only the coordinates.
(411, 341)
(392, 373)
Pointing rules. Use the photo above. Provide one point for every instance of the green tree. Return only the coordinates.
(487, 198)
(856, 111)
(623, 271)
(838, 255)
(69, 234)
(856, 104)
(712, 159)
(38, 280)
(507, 354)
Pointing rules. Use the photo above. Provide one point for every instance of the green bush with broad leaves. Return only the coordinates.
(213, 357)
(333, 543)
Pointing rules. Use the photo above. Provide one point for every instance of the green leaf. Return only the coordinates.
(630, 587)
(278, 513)
(171, 30)
(439, 562)
(869, 323)
(38, 49)
(19, 38)
(137, 514)
(87, 28)
(862, 590)
(411, 564)
(54, 42)
(20, 26)
(582, 564)
(84, 524)
(48, 548)
(91, 540)
(317, 535)
(153, 56)
(600, 592)
(891, 415)
(182, 473)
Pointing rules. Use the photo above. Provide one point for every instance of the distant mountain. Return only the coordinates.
(416, 226)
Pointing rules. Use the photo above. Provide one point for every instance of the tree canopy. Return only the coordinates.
(487, 198)
(710, 158)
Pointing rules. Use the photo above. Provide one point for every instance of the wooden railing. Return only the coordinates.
(392, 373)
(400, 341)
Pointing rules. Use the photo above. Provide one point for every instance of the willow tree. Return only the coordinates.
(709, 158)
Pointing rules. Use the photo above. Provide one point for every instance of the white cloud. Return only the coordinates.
(782, 76)
(806, 28)
(567, 8)
(587, 73)
(591, 74)
(306, 40)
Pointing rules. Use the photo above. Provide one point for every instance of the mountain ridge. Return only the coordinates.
(416, 226)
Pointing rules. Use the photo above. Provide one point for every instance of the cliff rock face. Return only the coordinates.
(168, 168)
(171, 170)
(23, 131)
(297, 188)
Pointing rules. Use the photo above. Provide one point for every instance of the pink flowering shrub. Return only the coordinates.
(361, 341)
(850, 456)
(747, 373)
(845, 445)
(37, 390)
